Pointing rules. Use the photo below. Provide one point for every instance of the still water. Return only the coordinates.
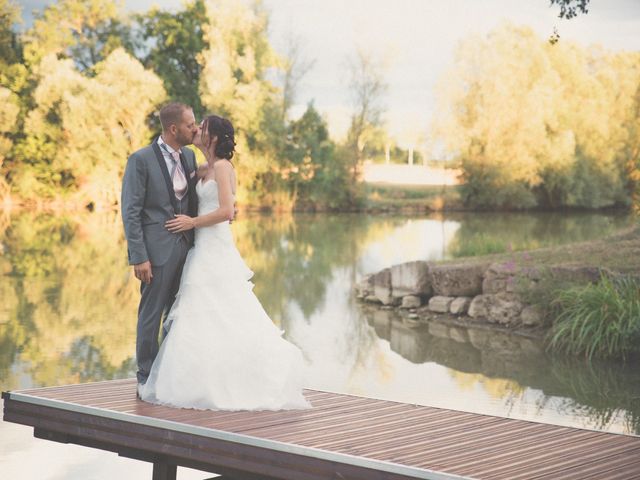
(68, 305)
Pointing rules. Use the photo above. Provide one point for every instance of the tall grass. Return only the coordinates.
(598, 320)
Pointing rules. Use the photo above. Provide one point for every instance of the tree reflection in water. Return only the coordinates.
(66, 284)
(69, 304)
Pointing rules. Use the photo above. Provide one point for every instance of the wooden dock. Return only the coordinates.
(341, 437)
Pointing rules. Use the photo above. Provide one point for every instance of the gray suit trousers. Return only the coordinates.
(155, 302)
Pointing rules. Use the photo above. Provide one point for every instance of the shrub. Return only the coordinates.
(598, 320)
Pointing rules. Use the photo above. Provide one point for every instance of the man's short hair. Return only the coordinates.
(171, 114)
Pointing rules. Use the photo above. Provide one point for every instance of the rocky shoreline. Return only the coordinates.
(470, 294)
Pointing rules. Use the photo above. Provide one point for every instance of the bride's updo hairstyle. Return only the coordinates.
(216, 126)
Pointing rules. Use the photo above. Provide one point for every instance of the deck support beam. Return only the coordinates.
(164, 471)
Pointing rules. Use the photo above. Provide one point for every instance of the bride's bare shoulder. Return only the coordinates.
(223, 166)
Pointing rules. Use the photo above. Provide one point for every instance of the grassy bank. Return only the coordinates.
(619, 253)
(385, 197)
(586, 317)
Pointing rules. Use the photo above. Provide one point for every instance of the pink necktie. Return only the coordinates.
(178, 177)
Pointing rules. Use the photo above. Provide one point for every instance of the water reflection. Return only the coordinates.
(514, 370)
(482, 233)
(69, 300)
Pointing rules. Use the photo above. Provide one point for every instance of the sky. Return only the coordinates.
(415, 39)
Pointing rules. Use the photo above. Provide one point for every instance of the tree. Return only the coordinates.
(534, 124)
(234, 84)
(294, 68)
(571, 8)
(82, 129)
(367, 88)
(86, 31)
(13, 77)
(171, 45)
(10, 46)
(316, 177)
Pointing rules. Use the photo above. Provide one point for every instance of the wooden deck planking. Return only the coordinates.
(556, 462)
(365, 434)
(450, 444)
(418, 437)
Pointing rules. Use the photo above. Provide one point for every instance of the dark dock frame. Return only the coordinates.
(341, 437)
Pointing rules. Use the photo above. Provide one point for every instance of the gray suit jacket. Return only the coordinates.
(148, 201)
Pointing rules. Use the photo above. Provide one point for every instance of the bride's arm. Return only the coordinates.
(223, 171)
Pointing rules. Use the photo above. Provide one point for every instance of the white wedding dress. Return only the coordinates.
(222, 352)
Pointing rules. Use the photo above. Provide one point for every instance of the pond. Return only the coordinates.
(69, 302)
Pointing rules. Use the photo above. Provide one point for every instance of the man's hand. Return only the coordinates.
(143, 272)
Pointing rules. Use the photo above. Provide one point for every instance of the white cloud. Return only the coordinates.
(419, 37)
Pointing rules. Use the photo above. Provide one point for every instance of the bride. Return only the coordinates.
(223, 352)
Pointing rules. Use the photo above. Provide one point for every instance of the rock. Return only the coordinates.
(509, 277)
(478, 308)
(504, 308)
(382, 286)
(440, 303)
(497, 277)
(413, 316)
(460, 305)
(411, 301)
(531, 316)
(364, 287)
(371, 299)
(411, 278)
(457, 280)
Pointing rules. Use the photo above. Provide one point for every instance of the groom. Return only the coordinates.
(159, 183)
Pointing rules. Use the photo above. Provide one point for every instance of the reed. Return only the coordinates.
(598, 320)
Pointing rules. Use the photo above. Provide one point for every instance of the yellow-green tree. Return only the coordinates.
(538, 124)
(233, 84)
(12, 81)
(82, 129)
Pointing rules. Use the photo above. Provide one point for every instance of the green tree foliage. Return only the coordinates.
(86, 31)
(82, 129)
(313, 171)
(534, 124)
(10, 48)
(76, 104)
(571, 8)
(234, 84)
(171, 45)
(12, 82)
